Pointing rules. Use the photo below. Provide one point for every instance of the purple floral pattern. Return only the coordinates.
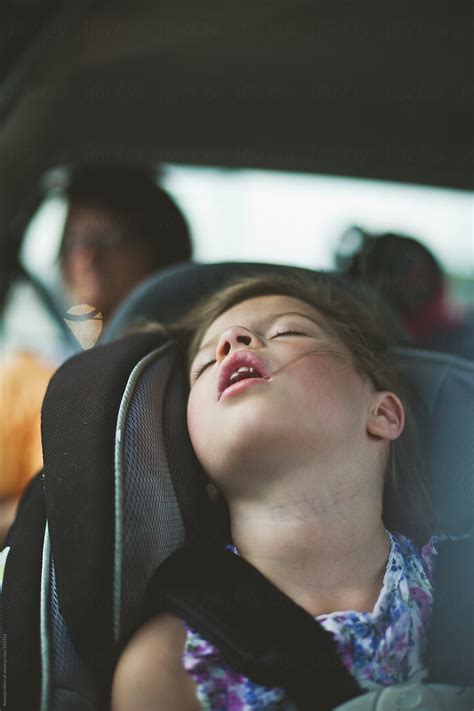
(380, 648)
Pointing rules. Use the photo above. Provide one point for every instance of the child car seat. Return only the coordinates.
(122, 490)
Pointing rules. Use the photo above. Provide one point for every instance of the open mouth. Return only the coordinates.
(243, 366)
(243, 373)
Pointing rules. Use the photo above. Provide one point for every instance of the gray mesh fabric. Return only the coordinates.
(152, 524)
(68, 671)
(66, 700)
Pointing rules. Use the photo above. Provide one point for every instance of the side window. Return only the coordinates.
(32, 316)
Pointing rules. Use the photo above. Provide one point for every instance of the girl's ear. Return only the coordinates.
(386, 417)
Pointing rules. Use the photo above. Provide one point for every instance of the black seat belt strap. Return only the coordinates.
(259, 630)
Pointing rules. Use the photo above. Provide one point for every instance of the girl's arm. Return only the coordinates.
(150, 673)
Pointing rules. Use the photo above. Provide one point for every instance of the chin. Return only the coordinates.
(242, 450)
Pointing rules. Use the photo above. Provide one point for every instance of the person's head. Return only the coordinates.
(400, 268)
(120, 228)
(285, 369)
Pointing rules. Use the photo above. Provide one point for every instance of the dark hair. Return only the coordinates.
(404, 271)
(360, 322)
(147, 212)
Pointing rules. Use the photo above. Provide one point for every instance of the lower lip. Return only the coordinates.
(237, 388)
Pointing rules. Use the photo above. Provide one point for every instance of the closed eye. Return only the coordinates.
(288, 333)
(200, 370)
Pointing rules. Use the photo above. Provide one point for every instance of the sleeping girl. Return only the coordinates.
(294, 412)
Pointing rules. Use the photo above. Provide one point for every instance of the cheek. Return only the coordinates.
(131, 263)
(197, 420)
(316, 374)
(325, 384)
(74, 267)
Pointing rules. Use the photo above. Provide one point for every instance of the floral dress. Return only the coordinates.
(379, 648)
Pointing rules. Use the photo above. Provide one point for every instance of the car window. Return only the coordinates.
(291, 218)
(258, 215)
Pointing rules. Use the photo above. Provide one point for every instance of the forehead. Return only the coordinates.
(82, 215)
(257, 310)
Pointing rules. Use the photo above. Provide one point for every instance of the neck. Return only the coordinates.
(327, 551)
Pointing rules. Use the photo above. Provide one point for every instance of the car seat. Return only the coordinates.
(122, 497)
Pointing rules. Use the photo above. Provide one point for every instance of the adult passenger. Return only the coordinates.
(410, 278)
(120, 228)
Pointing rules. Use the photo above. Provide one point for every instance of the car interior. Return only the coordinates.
(296, 90)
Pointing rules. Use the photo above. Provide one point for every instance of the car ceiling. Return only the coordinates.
(374, 90)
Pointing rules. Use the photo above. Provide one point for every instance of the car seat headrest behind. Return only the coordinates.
(168, 294)
(444, 385)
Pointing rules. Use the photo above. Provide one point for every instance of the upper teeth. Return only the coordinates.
(242, 369)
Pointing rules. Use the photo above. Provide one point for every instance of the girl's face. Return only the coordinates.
(271, 383)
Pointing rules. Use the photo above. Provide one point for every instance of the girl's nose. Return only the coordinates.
(236, 338)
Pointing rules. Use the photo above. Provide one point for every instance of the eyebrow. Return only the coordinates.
(270, 319)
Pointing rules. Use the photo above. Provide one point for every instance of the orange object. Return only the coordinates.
(24, 378)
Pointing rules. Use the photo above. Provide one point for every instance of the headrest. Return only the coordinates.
(444, 385)
(172, 292)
